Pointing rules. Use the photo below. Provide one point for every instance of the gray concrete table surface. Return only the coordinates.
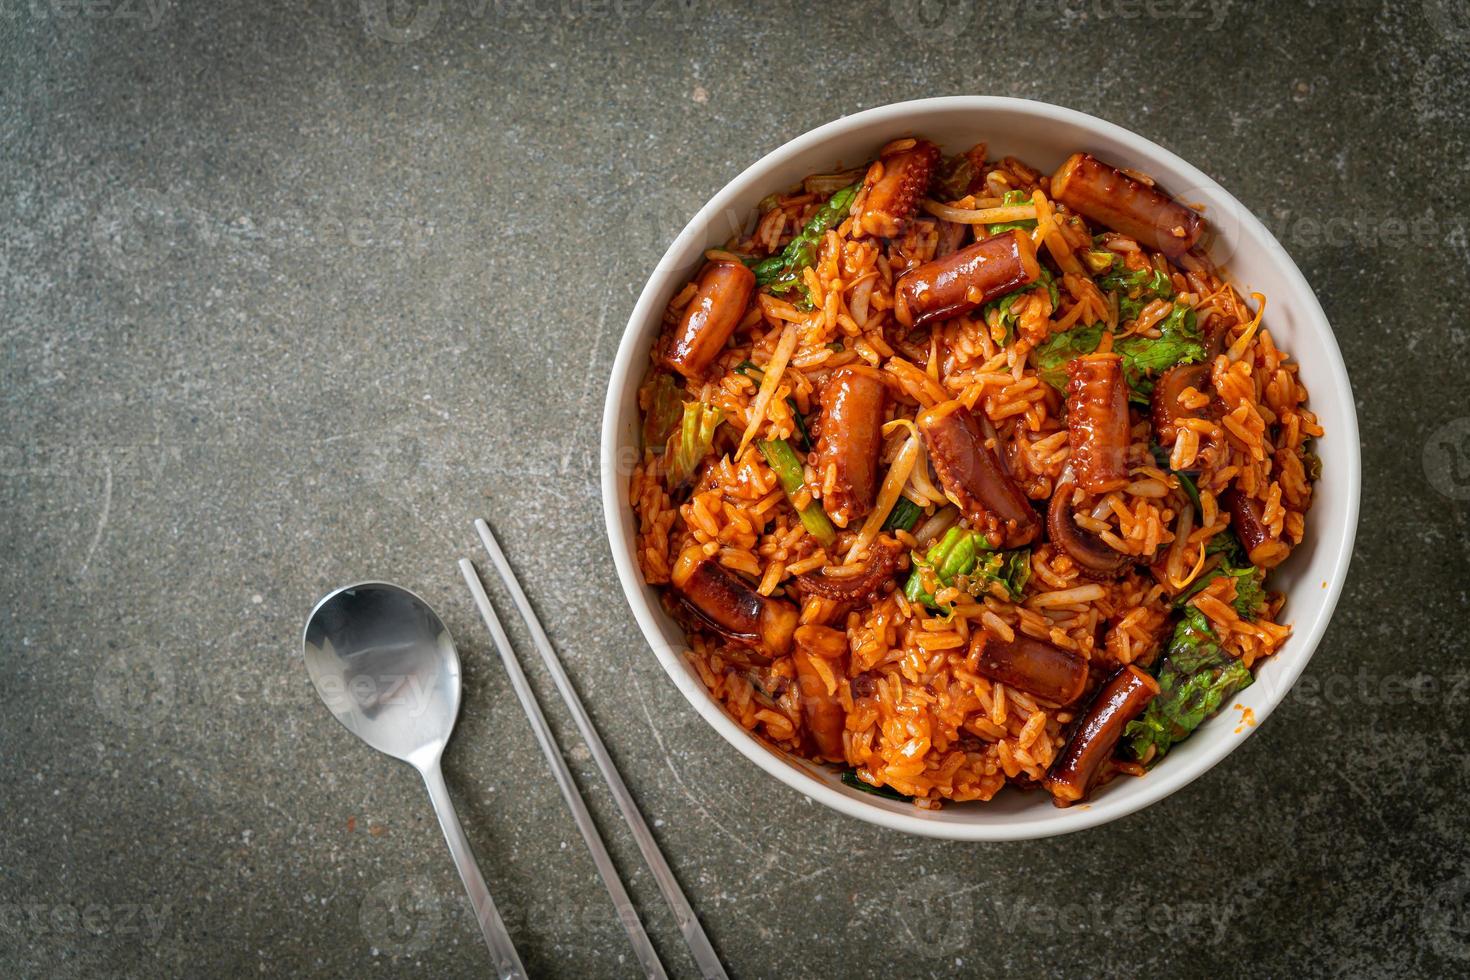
(292, 291)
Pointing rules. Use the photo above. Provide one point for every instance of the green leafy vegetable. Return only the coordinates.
(1179, 342)
(904, 515)
(1121, 280)
(1136, 288)
(1226, 544)
(1250, 591)
(782, 272)
(1012, 199)
(1004, 304)
(955, 174)
(696, 437)
(1011, 569)
(1046, 279)
(664, 408)
(851, 778)
(952, 555)
(1052, 354)
(1195, 677)
(787, 467)
(964, 558)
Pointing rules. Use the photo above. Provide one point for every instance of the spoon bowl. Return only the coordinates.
(386, 666)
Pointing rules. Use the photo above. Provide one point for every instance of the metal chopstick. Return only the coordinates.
(699, 944)
(626, 913)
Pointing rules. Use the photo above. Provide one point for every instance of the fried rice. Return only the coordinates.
(1106, 614)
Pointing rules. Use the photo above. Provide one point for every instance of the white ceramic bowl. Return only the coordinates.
(1042, 135)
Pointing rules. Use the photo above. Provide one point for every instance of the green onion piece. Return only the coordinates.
(696, 438)
(787, 467)
(664, 408)
(782, 272)
(851, 778)
(904, 515)
(1190, 489)
(768, 267)
(1161, 456)
(800, 422)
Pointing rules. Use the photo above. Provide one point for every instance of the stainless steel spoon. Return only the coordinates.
(385, 665)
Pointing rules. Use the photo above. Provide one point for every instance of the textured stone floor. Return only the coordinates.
(289, 292)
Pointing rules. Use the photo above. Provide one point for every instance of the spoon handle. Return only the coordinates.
(502, 950)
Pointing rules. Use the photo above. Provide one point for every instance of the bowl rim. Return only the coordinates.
(631, 359)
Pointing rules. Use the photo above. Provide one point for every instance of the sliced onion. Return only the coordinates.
(1175, 562)
(943, 519)
(893, 425)
(830, 183)
(920, 489)
(921, 483)
(892, 489)
(774, 369)
(1066, 597)
(1237, 349)
(858, 301)
(982, 216)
